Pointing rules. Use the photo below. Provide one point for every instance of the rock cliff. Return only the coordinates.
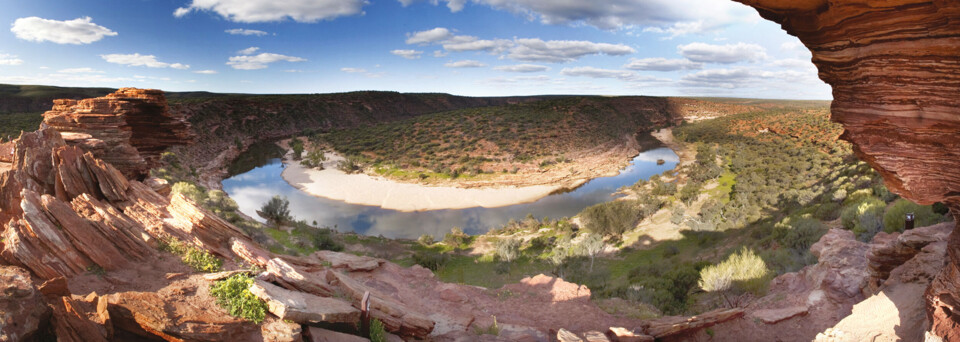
(129, 128)
(895, 73)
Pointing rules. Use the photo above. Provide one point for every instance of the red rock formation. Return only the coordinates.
(895, 73)
(129, 128)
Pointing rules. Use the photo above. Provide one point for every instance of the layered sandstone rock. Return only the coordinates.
(129, 128)
(895, 73)
(21, 305)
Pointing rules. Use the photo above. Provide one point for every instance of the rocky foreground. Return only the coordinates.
(81, 263)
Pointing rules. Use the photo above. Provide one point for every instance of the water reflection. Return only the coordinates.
(253, 188)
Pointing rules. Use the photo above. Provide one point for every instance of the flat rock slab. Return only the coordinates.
(773, 316)
(304, 307)
(324, 335)
(349, 261)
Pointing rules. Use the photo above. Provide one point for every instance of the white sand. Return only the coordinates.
(378, 191)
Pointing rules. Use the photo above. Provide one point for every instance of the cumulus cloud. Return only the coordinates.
(254, 62)
(723, 54)
(205, 72)
(616, 14)
(793, 63)
(662, 64)
(7, 59)
(558, 51)
(453, 5)
(408, 54)
(429, 36)
(76, 31)
(470, 43)
(246, 32)
(622, 75)
(522, 68)
(465, 64)
(517, 79)
(249, 50)
(736, 78)
(253, 11)
(440, 53)
(79, 71)
(137, 59)
(353, 70)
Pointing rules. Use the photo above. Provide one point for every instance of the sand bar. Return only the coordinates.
(388, 194)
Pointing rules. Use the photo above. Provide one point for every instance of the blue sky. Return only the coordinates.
(463, 47)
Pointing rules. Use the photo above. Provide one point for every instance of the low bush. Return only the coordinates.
(742, 272)
(378, 332)
(611, 218)
(799, 233)
(233, 294)
(895, 216)
(431, 260)
(425, 240)
(276, 210)
(191, 255)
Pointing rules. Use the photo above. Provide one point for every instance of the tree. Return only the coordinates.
(611, 218)
(297, 145)
(276, 210)
(314, 159)
(507, 250)
(592, 245)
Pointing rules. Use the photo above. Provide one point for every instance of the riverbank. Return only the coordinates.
(370, 190)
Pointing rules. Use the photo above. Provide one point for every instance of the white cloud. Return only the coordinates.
(440, 53)
(80, 71)
(662, 64)
(246, 32)
(465, 64)
(724, 54)
(470, 43)
(205, 72)
(408, 54)
(622, 75)
(793, 63)
(76, 31)
(522, 68)
(249, 50)
(454, 5)
(517, 79)
(683, 28)
(792, 46)
(429, 36)
(353, 70)
(616, 14)
(7, 59)
(137, 59)
(557, 51)
(252, 11)
(260, 61)
(738, 78)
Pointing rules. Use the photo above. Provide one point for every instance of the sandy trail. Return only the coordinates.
(378, 191)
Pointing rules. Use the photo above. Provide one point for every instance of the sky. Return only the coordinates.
(462, 47)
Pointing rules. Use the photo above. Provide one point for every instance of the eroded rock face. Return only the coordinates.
(21, 305)
(129, 128)
(895, 73)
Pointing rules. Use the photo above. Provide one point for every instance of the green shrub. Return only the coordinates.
(431, 260)
(740, 273)
(297, 146)
(799, 233)
(611, 218)
(191, 255)
(233, 294)
(314, 159)
(828, 211)
(456, 238)
(276, 210)
(851, 212)
(190, 191)
(895, 216)
(425, 239)
(378, 332)
(676, 216)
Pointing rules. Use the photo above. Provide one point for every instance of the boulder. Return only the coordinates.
(350, 262)
(619, 334)
(564, 335)
(278, 330)
(315, 334)
(80, 320)
(773, 316)
(22, 308)
(677, 325)
(301, 278)
(151, 315)
(595, 336)
(303, 307)
(396, 317)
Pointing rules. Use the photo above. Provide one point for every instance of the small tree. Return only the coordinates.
(507, 250)
(276, 210)
(592, 245)
(425, 239)
(297, 145)
(314, 159)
